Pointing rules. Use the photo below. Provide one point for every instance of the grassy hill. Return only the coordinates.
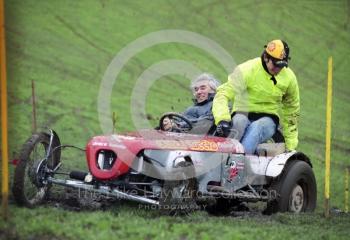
(65, 47)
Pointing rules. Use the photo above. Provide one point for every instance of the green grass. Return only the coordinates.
(66, 47)
(130, 222)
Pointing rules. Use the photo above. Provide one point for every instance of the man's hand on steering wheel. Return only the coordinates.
(168, 124)
(175, 122)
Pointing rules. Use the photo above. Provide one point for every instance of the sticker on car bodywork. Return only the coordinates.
(99, 144)
(205, 145)
(234, 169)
(202, 145)
(172, 144)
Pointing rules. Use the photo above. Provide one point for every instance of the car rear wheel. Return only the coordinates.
(294, 191)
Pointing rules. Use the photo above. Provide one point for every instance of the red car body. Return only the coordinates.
(127, 147)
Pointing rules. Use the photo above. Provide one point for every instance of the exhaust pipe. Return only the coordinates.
(101, 189)
(78, 175)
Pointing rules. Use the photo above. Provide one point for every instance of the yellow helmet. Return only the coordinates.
(278, 50)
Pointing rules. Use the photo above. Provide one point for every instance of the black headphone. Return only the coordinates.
(286, 49)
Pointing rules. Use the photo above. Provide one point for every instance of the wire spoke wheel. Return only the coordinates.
(30, 186)
(31, 189)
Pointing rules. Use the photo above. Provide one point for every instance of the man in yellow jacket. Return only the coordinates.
(264, 93)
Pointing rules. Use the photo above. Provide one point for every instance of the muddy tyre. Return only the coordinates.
(221, 207)
(294, 191)
(178, 196)
(29, 186)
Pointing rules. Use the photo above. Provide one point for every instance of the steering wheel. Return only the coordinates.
(178, 119)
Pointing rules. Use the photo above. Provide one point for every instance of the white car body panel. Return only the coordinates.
(276, 164)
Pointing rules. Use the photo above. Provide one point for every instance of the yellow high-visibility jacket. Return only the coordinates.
(251, 89)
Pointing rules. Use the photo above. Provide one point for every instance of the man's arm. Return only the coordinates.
(220, 109)
(290, 114)
(190, 113)
(226, 93)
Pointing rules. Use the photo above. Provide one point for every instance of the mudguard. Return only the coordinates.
(277, 164)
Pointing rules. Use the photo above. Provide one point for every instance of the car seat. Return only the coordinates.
(272, 147)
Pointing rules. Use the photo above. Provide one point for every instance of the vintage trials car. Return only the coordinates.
(177, 172)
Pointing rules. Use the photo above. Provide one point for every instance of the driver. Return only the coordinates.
(203, 89)
(261, 89)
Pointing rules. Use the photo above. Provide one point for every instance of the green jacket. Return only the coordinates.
(251, 89)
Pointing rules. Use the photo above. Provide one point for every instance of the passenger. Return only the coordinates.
(259, 89)
(203, 89)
